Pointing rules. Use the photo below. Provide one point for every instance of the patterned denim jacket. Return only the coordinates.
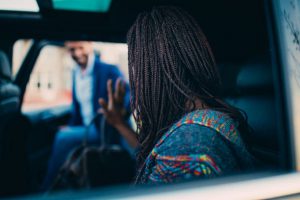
(204, 143)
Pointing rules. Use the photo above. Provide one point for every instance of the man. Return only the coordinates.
(91, 79)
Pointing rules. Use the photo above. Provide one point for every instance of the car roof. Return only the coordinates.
(230, 25)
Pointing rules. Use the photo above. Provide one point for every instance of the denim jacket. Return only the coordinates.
(204, 143)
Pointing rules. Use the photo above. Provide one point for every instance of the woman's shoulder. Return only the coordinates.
(192, 139)
(191, 151)
(187, 138)
(202, 125)
(204, 132)
(197, 145)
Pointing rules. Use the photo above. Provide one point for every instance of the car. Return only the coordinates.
(257, 48)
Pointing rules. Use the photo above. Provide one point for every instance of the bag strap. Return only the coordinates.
(102, 131)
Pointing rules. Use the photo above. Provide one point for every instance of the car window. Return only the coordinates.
(240, 40)
(20, 49)
(289, 30)
(50, 83)
(19, 5)
(90, 6)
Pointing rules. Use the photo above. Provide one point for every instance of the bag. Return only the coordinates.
(88, 167)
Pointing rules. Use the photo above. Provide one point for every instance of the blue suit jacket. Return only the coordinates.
(102, 72)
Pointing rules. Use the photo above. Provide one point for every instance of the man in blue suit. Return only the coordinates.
(90, 83)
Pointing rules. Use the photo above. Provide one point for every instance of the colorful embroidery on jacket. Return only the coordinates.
(170, 167)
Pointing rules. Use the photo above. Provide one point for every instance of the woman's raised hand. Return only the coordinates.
(114, 110)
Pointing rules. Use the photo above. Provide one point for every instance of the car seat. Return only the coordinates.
(13, 126)
(9, 93)
(249, 87)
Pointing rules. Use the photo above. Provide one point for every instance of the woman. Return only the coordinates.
(184, 129)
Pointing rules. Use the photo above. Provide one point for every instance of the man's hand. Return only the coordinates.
(114, 110)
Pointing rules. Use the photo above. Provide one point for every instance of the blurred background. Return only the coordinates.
(51, 82)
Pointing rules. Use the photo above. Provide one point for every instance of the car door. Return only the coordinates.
(238, 33)
(45, 96)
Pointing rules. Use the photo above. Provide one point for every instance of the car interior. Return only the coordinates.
(238, 33)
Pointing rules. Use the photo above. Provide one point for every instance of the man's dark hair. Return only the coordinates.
(170, 64)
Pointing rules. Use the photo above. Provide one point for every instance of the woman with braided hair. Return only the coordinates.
(184, 129)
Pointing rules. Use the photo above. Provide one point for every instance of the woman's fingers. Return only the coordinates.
(113, 110)
(116, 98)
(117, 89)
(103, 103)
(120, 91)
(110, 93)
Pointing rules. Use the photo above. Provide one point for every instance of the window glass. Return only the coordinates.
(289, 32)
(50, 83)
(19, 5)
(21, 48)
(247, 78)
(82, 5)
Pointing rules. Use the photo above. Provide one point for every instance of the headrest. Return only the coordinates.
(5, 71)
(9, 98)
(255, 77)
(9, 93)
(9, 90)
(249, 78)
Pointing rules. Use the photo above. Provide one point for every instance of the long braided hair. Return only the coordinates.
(170, 64)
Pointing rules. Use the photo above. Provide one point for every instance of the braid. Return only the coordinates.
(170, 64)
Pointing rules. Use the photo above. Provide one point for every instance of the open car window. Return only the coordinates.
(19, 5)
(256, 47)
(50, 83)
(288, 27)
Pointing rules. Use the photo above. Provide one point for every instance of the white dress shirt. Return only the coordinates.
(84, 89)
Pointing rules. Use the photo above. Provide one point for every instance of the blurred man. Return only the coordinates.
(90, 79)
